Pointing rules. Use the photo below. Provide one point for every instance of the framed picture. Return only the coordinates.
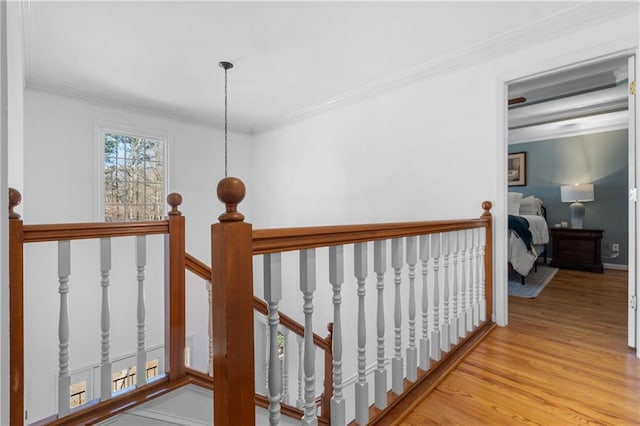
(517, 169)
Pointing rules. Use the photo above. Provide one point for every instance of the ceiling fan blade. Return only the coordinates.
(516, 101)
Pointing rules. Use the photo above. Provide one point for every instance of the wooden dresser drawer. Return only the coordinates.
(577, 249)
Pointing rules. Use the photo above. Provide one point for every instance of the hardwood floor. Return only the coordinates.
(562, 360)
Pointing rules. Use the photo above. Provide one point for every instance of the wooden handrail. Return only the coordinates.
(79, 231)
(204, 271)
(197, 267)
(288, 239)
(292, 324)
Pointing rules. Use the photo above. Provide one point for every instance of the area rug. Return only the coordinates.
(533, 283)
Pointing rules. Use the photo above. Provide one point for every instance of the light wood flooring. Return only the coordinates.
(563, 360)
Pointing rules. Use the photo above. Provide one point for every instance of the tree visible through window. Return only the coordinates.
(133, 178)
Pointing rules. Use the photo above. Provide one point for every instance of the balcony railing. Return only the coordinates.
(402, 303)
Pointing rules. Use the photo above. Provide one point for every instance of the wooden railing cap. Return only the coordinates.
(15, 198)
(174, 200)
(486, 206)
(231, 192)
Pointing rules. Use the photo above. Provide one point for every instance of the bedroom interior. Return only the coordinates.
(569, 160)
(316, 143)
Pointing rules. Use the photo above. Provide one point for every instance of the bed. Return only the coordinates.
(530, 208)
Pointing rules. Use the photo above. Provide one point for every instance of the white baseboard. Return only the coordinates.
(612, 266)
(615, 266)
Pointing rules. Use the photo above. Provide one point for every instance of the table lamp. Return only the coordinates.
(576, 194)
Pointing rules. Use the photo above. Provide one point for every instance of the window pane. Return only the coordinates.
(134, 178)
(155, 151)
(154, 172)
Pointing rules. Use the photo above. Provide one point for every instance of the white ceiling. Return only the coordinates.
(582, 99)
(291, 58)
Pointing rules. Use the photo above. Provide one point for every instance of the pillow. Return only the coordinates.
(531, 205)
(513, 203)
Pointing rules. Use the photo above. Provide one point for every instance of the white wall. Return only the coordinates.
(4, 240)
(61, 177)
(61, 164)
(16, 83)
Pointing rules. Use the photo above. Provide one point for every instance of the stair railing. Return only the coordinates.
(455, 306)
(173, 228)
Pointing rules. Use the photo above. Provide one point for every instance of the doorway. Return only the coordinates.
(576, 125)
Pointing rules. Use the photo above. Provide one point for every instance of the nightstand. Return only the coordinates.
(577, 249)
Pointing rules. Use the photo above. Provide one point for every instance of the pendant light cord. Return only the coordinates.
(226, 66)
(226, 125)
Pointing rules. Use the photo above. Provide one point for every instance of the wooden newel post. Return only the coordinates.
(16, 316)
(232, 278)
(488, 257)
(175, 327)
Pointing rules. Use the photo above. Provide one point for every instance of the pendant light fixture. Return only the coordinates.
(231, 190)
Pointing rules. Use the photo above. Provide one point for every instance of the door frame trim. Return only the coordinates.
(618, 48)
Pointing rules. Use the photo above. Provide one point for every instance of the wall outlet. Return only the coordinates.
(615, 247)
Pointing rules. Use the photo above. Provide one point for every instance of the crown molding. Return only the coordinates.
(127, 104)
(571, 19)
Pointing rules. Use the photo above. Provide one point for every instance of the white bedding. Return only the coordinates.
(521, 259)
(539, 229)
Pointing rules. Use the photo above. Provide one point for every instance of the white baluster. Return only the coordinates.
(397, 363)
(285, 373)
(299, 395)
(476, 290)
(272, 295)
(267, 339)
(444, 328)
(435, 333)
(64, 379)
(141, 261)
(425, 360)
(380, 267)
(336, 278)
(105, 320)
(470, 281)
(307, 287)
(210, 331)
(483, 299)
(462, 311)
(412, 351)
(453, 324)
(362, 387)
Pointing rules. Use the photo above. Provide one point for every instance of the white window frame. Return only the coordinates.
(103, 127)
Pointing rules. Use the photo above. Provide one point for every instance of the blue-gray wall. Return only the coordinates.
(601, 159)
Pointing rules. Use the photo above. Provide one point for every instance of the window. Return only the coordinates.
(134, 177)
(78, 394)
(126, 378)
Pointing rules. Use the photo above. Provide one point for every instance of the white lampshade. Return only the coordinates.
(573, 193)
